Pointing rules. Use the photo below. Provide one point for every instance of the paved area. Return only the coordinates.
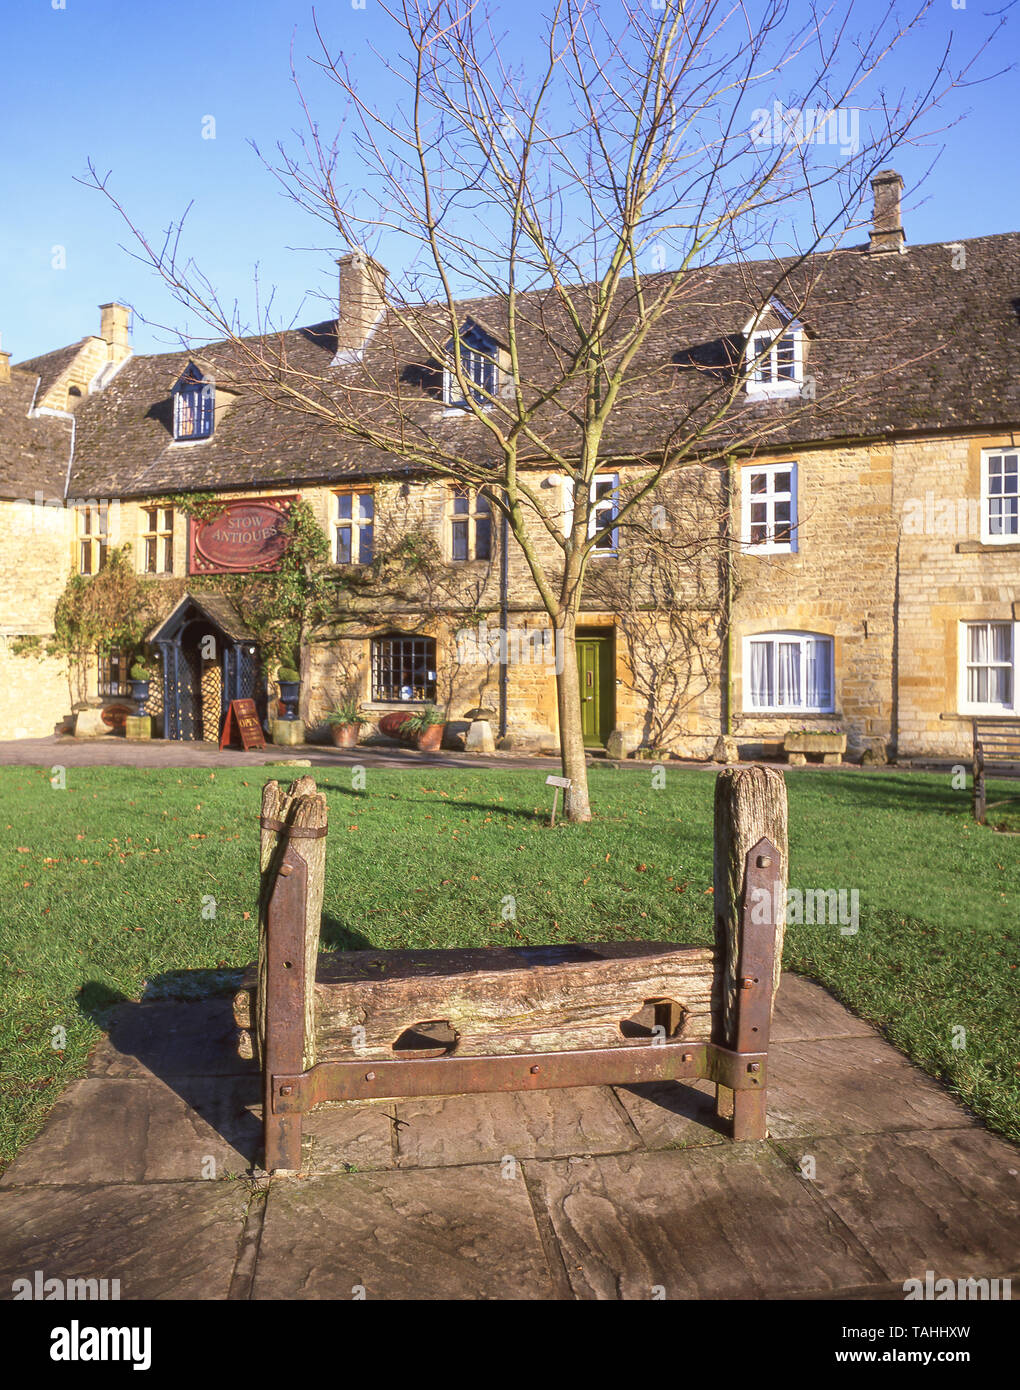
(113, 751)
(872, 1175)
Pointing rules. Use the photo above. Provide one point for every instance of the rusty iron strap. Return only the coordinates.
(757, 947)
(364, 1079)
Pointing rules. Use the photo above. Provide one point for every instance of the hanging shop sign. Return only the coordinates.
(247, 535)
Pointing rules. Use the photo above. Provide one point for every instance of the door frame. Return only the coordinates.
(606, 638)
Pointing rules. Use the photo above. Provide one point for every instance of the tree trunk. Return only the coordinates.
(568, 699)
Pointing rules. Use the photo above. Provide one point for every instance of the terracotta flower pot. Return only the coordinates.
(345, 735)
(430, 740)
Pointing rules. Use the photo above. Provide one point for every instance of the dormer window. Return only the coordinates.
(194, 405)
(479, 359)
(774, 355)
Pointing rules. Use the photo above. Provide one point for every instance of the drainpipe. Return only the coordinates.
(504, 576)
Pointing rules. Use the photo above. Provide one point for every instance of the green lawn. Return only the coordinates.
(104, 885)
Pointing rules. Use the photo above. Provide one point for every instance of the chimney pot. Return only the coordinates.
(887, 227)
(362, 298)
(5, 367)
(114, 323)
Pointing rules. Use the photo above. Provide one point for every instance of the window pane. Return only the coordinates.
(977, 642)
(785, 359)
(1002, 643)
(483, 538)
(759, 512)
(366, 544)
(343, 545)
(759, 482)
(781, 482)
(459, 530)
(818, 674)
(788, 673)
(461, 502)
(483, 504)
(150, 555)
(366, 506)
(343, 506)
(1002, 683)
(977, 685)
(762, 674)
(759, 534)
(168, 555)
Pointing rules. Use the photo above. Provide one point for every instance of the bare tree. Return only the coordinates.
(577, 202)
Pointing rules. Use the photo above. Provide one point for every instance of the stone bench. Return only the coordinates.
(799, 746)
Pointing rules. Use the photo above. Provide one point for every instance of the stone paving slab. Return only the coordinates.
(853, 1086)
(725, 1222)
(427, 1234)
(161, 1240)
(134, 1130)
(438, 1131)
(670, 1115)
(171, 1038)
(945, 1200)
(805, 1010)
(342, 1138)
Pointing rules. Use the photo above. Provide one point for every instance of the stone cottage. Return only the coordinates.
(840, 551)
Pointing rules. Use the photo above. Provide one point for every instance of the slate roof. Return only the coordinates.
(50, 364)
(219, 609)
(900, 344)
(34, 453)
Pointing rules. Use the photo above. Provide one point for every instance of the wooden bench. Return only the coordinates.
(365, 1025)
(996, 746)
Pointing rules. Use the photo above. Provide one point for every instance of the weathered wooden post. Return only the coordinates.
(293, 865)
(751, 871)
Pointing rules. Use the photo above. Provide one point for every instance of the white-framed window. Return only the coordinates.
(1000, 496)
(479, 361)
(603, 509)
(93, 528)
(788, 671)
(194, 405)
(157, 540)
(470, 524)
(353, 528)
(774, 353)
(988, 668)
(769, 507)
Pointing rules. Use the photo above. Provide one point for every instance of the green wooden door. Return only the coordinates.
(594, 669)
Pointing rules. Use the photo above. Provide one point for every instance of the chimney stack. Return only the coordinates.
(362, 298)
(113, 327)
(887, 227)
(5, 367)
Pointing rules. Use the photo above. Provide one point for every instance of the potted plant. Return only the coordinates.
(140, 676)
(426, 727)
(345, 724)
(289, 681)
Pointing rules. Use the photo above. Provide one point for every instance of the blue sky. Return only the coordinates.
(130, 83)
